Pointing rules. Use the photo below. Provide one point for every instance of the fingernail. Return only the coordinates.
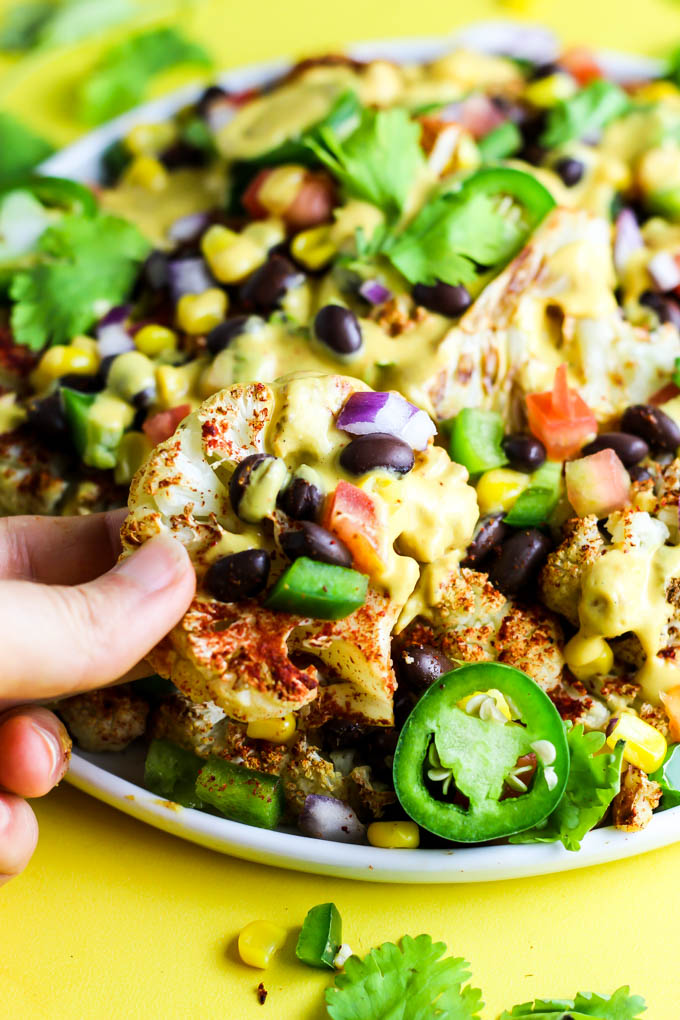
(5, 816)
(54, 749)
(156, 565)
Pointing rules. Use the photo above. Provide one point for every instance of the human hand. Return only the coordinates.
(71, 619)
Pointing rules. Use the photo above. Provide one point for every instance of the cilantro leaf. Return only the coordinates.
(447, 238)
(406, 982)
(86, 263)
(21, 25)
(593, 783)
(621, 1005)
(78, 19)
(378, 162)
(119, 81)
(20, 148)
(588, 111)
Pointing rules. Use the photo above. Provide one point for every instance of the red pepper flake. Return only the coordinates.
(261, 994)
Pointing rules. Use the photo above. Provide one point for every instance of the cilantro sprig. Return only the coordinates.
(594, 781)
(84, 266)
(621, 1005)
(585, 113)
(120, 80)
(20, 148)
(43, 23)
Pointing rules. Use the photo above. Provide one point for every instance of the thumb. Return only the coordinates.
(59, 640)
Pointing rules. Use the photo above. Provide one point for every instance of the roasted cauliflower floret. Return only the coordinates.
(31, 479)
(104, 720)
(460, 612)
(191, 724)
(240, 655)
(633, 805)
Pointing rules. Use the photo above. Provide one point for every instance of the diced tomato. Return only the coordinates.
(352, 516)
(671, 702)
(668, 392)
(312, 205)
(243, 97)
(598, 484)
(581, 64)
(162, 425)
(560, 418)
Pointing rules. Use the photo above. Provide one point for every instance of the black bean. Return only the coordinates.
(543, 71)
(521, 557)
(239, 576)
(311, 540)
(221, 336)
(82, 383)
(238, 483)
(264, 289)
(301, 500)
(46, 417)
(525, 453)
(144, 398)
(339, 329)
(653, 425)
(418, 666)
(183, 153)
(379, 450)
(569, 170)
(443, 298)
(489, 534)
(665, 308)
(638, 473)
(155, 272)
(628, 448)
(211, 95)
(338, 734)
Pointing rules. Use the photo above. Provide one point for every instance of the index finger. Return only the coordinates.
(59, 550)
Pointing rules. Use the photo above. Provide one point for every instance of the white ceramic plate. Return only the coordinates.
(115, 778)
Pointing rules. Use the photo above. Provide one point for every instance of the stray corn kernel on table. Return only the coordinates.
(116, 919)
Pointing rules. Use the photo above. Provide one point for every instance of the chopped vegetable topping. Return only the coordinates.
(321, 936)
(586, 113)
(560, 418)
(319, 590)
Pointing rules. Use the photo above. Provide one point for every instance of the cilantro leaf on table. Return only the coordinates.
(378, 162)
(406, 982)
(586, 112)
(449, 236)
(22, 24)
(120, 79)
(20, 148)
(74, 20)
(621, 1005)
(84, 264)
(594, 781)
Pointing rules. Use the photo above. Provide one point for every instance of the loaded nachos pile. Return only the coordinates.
(394, 351)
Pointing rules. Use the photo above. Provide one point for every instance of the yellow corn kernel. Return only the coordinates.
(499, 489)
(146, 172)
(313, 248)
(132, 451)
(266, 233)
(176, 384)
(149, 139)
(550, 90)
(237, 261)
(152, 340)
(498, 697)
(217, 239)
(657, 91)
(279, 190)
(588, 656)
(644, 746)
(276, 731)
(60, 360)
(87, 344)
(199, 313)
(258, 942)
(394, 835)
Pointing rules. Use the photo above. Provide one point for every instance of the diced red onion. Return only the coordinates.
(112, 334)
(479, 115)
(189, 276)
(375, 292)
(627, 238)
(329, 818)
(366, 413)
(664, 271)
(186, 228)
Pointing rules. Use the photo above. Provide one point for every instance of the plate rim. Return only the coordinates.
(288, 850)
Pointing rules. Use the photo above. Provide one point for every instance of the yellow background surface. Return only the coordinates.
(114, 919)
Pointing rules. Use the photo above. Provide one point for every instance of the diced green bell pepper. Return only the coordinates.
(97, 421)
(239, 793)
(320, 590)
(503, 141)
(668, 777)
(171, 772)
(320, 937)
(475, 440)
(665, 203)
(477, 756)
(535, 505)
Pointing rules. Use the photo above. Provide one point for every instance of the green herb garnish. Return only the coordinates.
(20, 148)
(585, 113)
